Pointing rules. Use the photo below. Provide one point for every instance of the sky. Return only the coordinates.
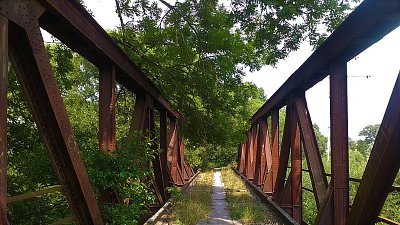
(367, 97)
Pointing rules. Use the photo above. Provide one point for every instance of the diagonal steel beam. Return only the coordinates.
(32, 65)
(260, 162)
(382, 167)
(3, 117)
(283, 157)
(313, 155)
(181, 159)
(164, 147)
(140, 114)
(274, 146)
(173, 145)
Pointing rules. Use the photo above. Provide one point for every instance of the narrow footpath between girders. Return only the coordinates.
(220, 211)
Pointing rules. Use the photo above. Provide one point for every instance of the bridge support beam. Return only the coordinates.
(283, 157)
(339, 142)
(296, 170)
(382, 167)
(107, 100)
(3, 117)
(174, 152)
(263, 149)
(31, 63)
(164, 154)
(311, 150)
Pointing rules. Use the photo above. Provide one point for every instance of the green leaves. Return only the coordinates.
(196, 52)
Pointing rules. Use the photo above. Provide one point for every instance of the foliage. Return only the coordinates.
(192, 206)
(370, 132)
(29, 166)
(197, 52)
(243, 206)
(322, 141)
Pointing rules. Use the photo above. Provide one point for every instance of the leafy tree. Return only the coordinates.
(197, 51)
(369, 133)
(322, 140)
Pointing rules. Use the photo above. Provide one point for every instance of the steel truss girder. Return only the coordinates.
(32, 65)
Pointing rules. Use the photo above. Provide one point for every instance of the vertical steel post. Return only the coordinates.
(3, 117)
(107, 100)
(296, 167)
(339, 142)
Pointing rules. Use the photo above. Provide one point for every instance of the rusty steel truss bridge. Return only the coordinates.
(263, 160)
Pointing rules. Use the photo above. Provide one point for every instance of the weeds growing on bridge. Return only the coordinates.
(194, 205)
(242, 205)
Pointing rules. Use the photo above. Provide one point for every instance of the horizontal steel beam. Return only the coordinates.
(370, 22)
(74, 26)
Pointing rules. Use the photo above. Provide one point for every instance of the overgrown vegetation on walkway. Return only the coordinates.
(194, 205)
(243, 206)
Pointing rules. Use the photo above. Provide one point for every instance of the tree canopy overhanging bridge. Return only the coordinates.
(273, 166)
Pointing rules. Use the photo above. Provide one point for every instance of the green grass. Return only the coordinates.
(189, 208)
(242, 205)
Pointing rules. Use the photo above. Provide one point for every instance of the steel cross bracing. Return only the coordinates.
(264, 159)
(22, 43)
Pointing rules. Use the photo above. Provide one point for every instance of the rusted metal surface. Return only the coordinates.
(266, 199)
(75, 27)
(140, 116)
(181, 159)
(164, 149)
(285, 199)
(173, 145)
(382, 167)
(107, 100)
(369, 22)
(31, 63)
(70, 23)
(3, 117)
(296, 174)
(261, 163)
(339, 142)
(311, 150)
(158, 180)
(268, 178)
(274, 147)
(283, 157)
(242, 160)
